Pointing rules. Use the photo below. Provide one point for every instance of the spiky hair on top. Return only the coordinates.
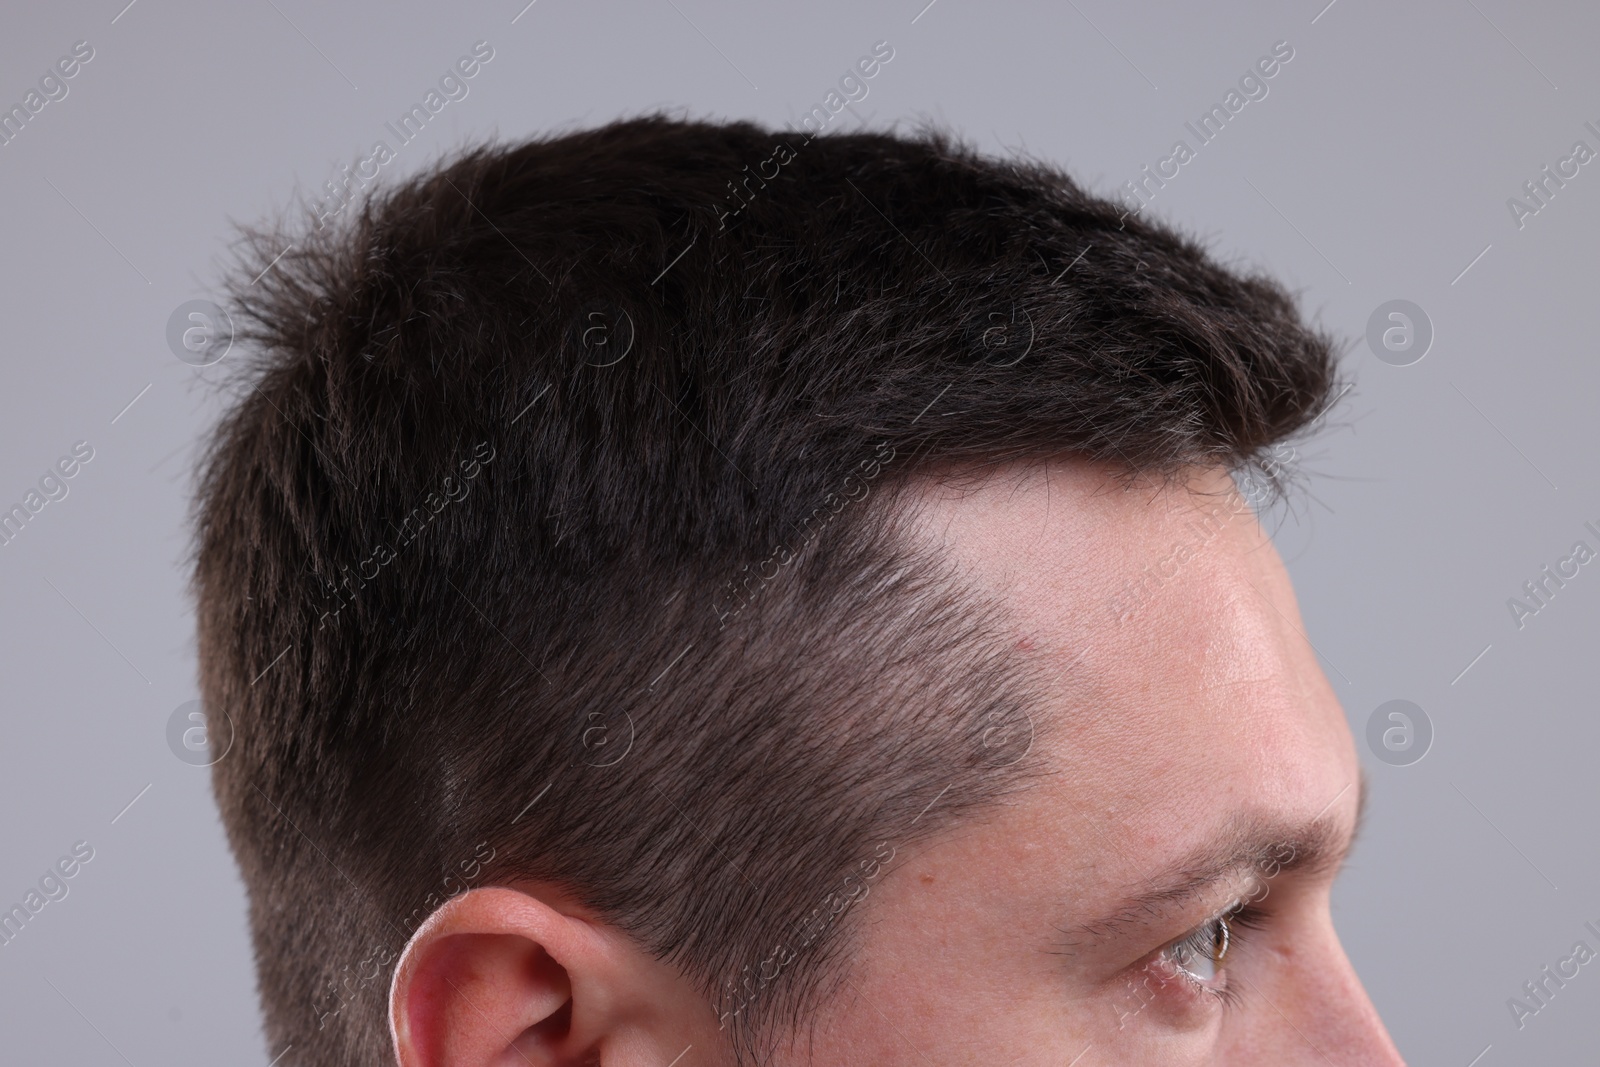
(555, 522)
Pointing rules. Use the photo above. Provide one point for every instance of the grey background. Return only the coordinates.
(1378, 167)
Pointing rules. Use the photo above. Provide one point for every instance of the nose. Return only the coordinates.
(1327, 1014)
(1354, 1026)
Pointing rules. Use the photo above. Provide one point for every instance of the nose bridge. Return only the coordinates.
(1336, 1020)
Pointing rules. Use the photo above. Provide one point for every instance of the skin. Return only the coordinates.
(1197, 758)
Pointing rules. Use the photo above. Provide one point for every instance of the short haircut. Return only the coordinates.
(553, 532)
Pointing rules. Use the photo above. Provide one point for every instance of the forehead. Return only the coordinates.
(1185, 691)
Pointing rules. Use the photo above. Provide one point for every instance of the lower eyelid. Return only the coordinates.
(1160, 993)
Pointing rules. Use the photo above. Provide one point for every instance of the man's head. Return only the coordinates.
(684, 586)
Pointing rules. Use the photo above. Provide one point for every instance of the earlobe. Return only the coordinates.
(485, 980)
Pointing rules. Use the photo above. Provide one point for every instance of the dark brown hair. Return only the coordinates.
(552, 534)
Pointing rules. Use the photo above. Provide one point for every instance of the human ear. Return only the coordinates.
(497, 976)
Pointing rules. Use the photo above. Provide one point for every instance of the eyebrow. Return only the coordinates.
(1316, 847)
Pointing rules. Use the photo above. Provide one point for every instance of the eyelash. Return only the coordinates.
(1202, 942)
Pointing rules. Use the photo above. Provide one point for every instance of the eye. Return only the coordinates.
(1200, 958)
(1199, 955)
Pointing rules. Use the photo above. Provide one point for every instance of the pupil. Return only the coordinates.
(1219, 942)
